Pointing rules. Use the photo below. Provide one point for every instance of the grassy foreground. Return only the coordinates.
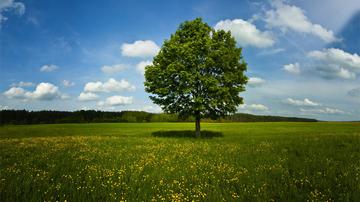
(160, 162)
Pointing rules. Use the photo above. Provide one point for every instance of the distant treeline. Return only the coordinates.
(92, 116)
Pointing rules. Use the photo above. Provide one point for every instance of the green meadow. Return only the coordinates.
(164, 162)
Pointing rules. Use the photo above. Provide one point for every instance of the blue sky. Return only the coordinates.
(303, 55)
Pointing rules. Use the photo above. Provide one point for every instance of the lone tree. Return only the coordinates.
(198, 72)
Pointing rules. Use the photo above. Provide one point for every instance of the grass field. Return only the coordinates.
(161, 162)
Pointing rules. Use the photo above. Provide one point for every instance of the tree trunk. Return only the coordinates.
(197, 126)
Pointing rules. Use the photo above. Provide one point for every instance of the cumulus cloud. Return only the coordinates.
(245, 33)
(289, 17)
(87, 96)
(22, 84)
(140, 67)
(140, 48)
(304, 103)
(293, 68)
(116, 100)
(111, 85)
(8, 6)
(255, 81)
(111, 69)
(345, 74)
(15, 93)
(48, 68)
(43, 91)
(336, 63)
(253, 107)
(67, 83)
(325, 110)
(337, 56)
(332, 71)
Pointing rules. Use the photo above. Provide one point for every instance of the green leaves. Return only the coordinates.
(198, 71)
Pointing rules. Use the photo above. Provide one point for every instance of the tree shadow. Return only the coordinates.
(186, 134)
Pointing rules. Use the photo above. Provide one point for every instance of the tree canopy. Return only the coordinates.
(198, 72)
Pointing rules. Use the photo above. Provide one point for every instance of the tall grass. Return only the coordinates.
(135, 162)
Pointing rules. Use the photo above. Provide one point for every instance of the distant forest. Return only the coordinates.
(92, 116)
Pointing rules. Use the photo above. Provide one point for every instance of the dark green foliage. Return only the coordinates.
(91, 116)
(164, 117)
(198, 72)
(88, 116)
(240, 117)
(134, 116)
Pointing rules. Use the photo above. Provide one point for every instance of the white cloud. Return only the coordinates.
(310, 107)
(336, 63)
(15, 93)
(48, 68)
(271, 51)
(67, 83)
(333, 71)
(140, 48)
(116, 101)
(255, 81)
(87, 96)
(111, 85)
(140, 67)
(255, 107)
(43, 91)
(245, 33)
(305, 103)
(22, 84)
(293, 18)
(4, 107)
(325, 110)
(337, 56)
(10, 5)
(345, 74)
(64, 97)
(152, 109)
(292, 68)
(113, 68)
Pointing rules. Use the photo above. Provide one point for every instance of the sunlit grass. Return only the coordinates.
(114, 162)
